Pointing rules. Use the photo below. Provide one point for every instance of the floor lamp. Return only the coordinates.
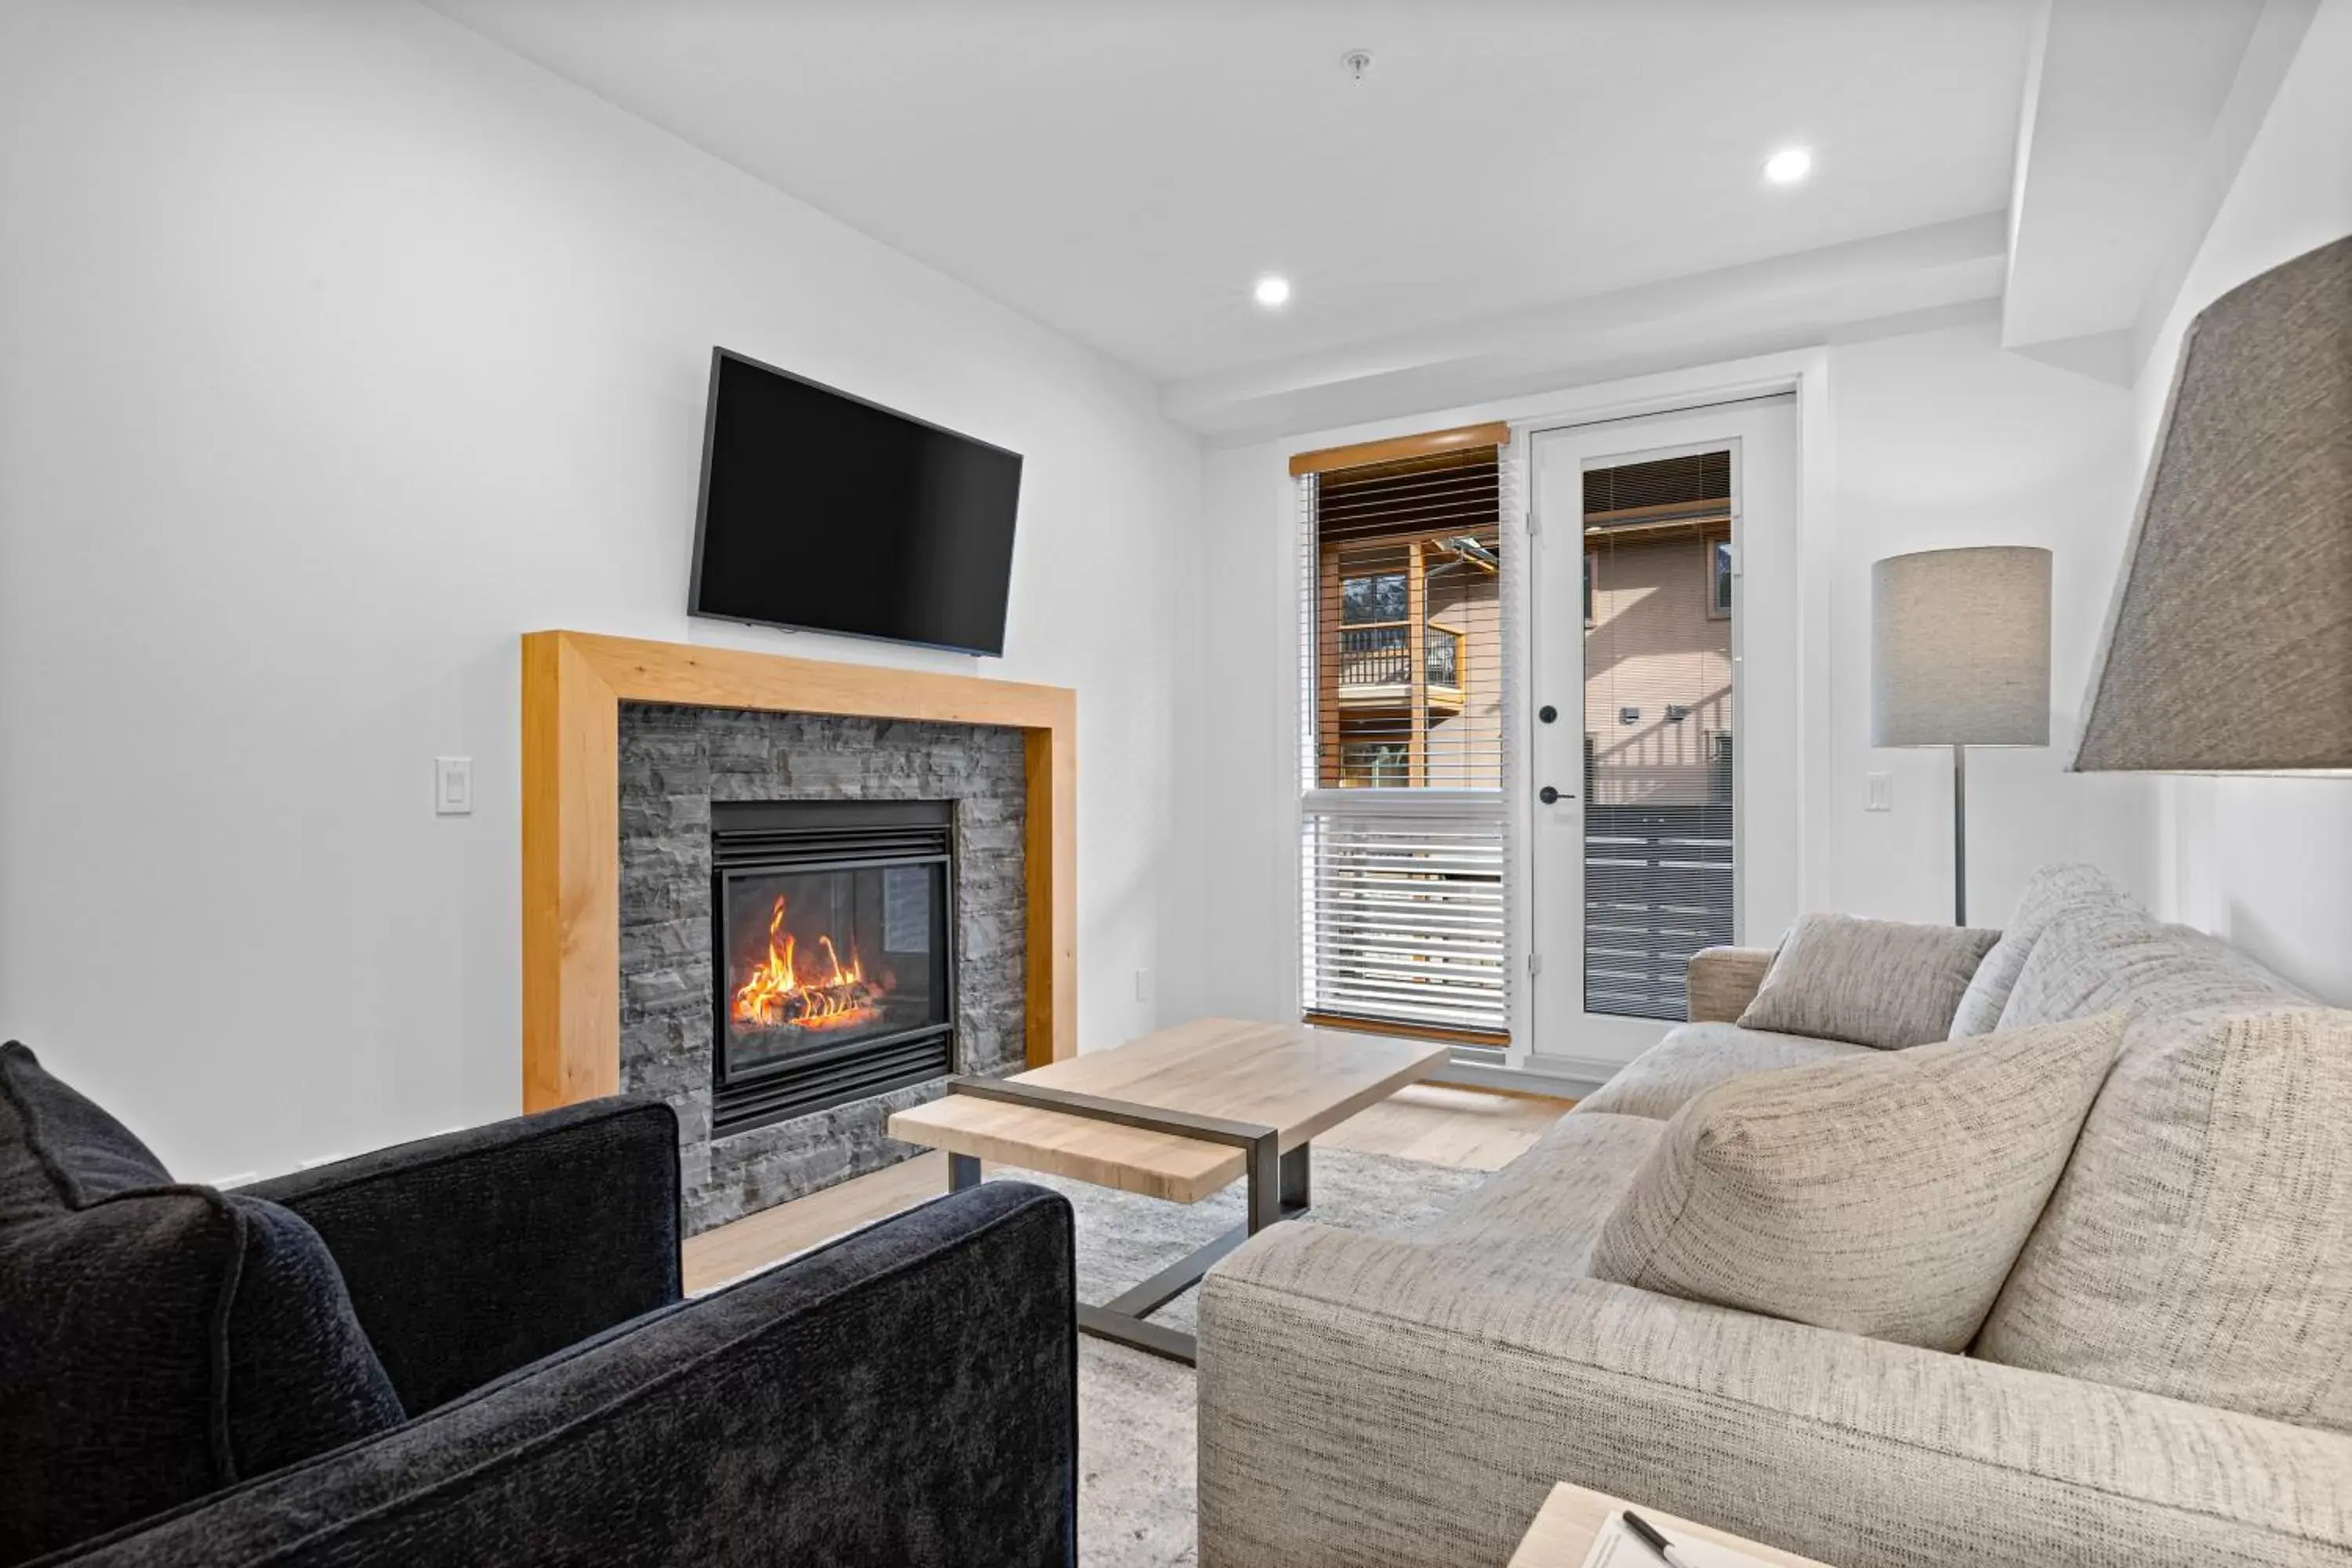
(1959, 646)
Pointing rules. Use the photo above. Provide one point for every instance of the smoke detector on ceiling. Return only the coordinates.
(1359, 63)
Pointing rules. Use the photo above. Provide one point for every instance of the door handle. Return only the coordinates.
(1550, 796)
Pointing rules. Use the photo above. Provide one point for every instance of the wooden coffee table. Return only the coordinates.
(1178, 1115)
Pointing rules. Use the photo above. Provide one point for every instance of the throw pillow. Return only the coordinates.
(2095, 956)
(2054, 889)
(1884, 1195)
(2195, 1246)
(1887, 983)
(157, 1341)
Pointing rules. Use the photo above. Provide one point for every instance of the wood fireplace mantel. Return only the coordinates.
(574, 684)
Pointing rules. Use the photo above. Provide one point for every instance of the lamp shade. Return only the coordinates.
(1959, 647)
(2229, 643)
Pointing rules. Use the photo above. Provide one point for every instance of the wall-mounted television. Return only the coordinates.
(824, 512)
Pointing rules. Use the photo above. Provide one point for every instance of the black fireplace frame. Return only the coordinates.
(750, 839)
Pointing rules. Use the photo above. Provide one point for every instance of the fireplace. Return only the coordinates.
(832, 969)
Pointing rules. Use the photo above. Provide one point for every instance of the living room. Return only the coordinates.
(374, 379)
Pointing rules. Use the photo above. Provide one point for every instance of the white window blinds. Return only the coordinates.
(1401, 755)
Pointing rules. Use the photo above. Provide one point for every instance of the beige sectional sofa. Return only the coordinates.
(1409, 1398)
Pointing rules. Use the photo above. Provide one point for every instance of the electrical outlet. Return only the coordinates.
(453, 786)
(1879, 792)
(1143, 985)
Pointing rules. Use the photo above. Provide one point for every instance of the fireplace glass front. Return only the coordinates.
(831, 962)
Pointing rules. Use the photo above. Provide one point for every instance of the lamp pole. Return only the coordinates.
(1960, 834)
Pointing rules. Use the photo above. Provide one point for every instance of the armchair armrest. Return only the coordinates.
(1382, 1402)
(471, 1254)
(1721, 980)
(906, 1397)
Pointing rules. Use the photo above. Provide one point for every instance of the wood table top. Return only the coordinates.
(1299, 1079)
(1563, 1533)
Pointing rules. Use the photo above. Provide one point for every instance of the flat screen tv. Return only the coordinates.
(825, 512)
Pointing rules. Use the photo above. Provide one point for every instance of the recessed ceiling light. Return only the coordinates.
(1788, 165)
(1273, 291)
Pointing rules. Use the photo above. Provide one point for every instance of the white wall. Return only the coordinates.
(1945, 439)
(337, 349)
(2267, 862)
(1236, 953)
(1926, 438)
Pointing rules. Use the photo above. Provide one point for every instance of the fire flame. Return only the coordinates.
(830, 997)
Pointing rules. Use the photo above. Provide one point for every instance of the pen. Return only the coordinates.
(1653, 1541)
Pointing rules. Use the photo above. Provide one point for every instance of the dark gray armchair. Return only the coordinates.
(524, 1384)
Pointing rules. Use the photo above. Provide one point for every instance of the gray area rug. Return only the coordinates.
(1135, 1411)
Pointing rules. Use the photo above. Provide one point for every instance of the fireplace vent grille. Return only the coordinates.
(737, 845)
(816, 1081)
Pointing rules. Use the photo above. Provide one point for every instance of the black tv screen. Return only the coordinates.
(823, 511)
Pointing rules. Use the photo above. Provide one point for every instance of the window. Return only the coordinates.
(1442, 657)
(1373, 764)
(1408, 624)
(1379, 596)
(1401, 748)
(1659, 833)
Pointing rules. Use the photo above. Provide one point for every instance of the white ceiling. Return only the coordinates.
(2140, 114)
(1124, 171)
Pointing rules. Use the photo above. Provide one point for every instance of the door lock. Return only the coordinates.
(1548, 713)
(1548, 795)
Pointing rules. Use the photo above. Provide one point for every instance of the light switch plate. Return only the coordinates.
(453, 786)
(1879, 792)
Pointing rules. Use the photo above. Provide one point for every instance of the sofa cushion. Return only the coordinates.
(2054, 889)
(2199, 1244)
(1695, 1057)
(1544, 1209)
(157, 1341)
(2096, 955)
(1887, 983)
(1884, 1194)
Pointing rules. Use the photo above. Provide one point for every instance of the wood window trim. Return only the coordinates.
(1397, 448)
(574, 684)
(1411, 1031)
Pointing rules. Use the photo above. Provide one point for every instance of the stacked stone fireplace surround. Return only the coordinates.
(674, 763)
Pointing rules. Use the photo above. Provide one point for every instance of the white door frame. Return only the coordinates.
(1559, 1037)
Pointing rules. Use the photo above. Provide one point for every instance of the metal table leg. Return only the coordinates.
(1277, 1189)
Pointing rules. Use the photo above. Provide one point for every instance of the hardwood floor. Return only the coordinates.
(1443, 1124)
(1439, 1123)
(741, 1246)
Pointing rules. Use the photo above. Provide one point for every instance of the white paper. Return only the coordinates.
(1617, 1547)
